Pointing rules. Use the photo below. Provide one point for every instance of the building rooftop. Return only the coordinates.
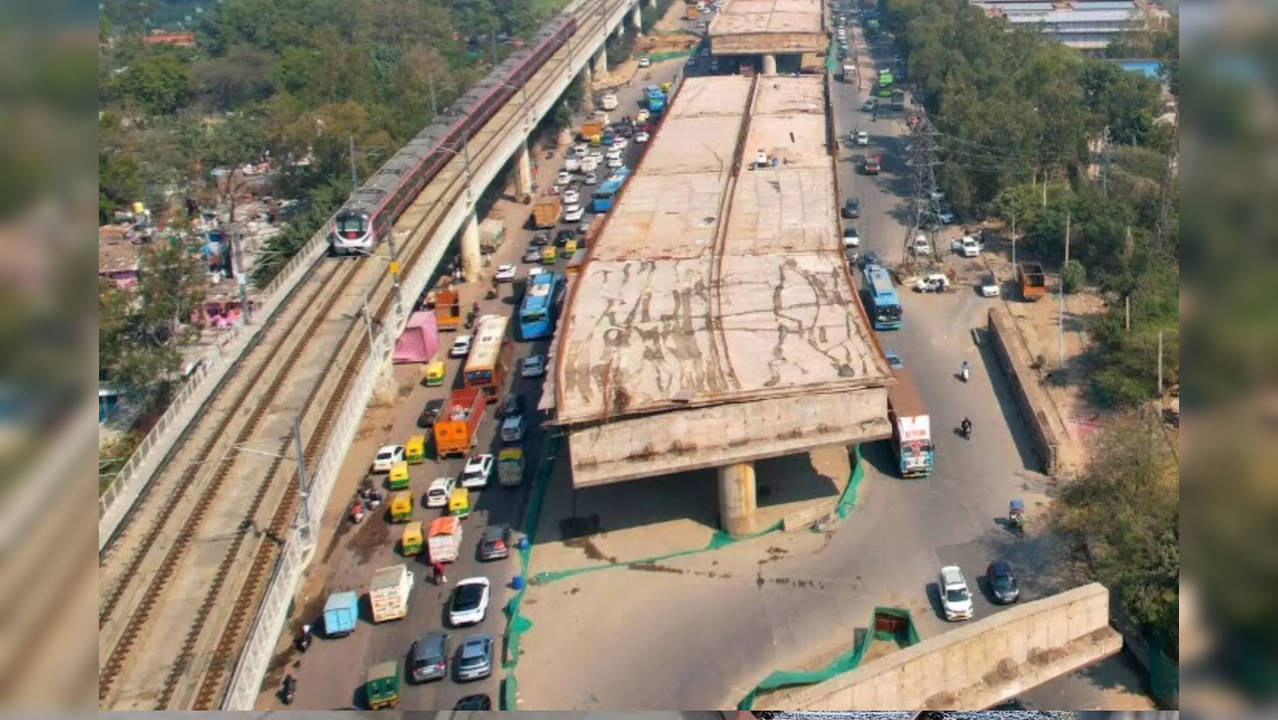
(715, 294)
(116, 254)
(760, 26)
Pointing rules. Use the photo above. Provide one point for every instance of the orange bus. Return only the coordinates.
(491, 356)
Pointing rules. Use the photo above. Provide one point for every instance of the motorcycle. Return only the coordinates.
(357, 512)
(965, 428)
(304, 638)
(288, 690)
(372, 499)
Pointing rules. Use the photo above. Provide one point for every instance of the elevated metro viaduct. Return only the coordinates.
(715, 321)
(767, 29)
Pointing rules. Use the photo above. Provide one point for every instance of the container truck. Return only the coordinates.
(546, 214)
(443, 539)
(388, 592)
(1032, 279)
(456, 430)
(447, 309)
(911, 427)
(341, 610)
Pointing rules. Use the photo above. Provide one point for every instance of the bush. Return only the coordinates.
(1073, 277)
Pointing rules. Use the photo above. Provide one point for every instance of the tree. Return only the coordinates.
(119, 183)
(158, 84)
(243, 75)
(1123, 512)
(1073, 277)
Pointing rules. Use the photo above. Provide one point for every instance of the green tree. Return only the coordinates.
(242, 75)
(1123, 512)
(158, 84)
(119, 183)
(1073, 277)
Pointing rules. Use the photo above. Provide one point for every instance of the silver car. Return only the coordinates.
(474, 658)
(428, 658)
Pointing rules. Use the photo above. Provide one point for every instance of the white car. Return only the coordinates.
(562, 178)
(613, 153)
(851, 238)
(988, 286)
(644, 62)
(505, 273)
(596, 155)
(862, 137)
(580, 149)
(614, 161)
(967, 246)
(589, 164)
(572, 163)
(469, 602)
(461, 346)
(932, 282)
(642, 136)
(956, 600)
(573, 213)
(619, 144)
(386, 456)
(512, 429)
(591, 178)
(439, 490)
(921, 246)
(571, 196)
(477, 470)
(533, 366)
(760, 158)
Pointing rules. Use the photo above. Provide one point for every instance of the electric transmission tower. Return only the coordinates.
(923, 208)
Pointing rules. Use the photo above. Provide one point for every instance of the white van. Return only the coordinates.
(608, 102)
(512, 429)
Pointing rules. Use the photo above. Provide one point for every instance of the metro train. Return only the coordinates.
(370, 212)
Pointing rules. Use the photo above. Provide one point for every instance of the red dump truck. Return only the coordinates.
(456, 429)
(1032, 279)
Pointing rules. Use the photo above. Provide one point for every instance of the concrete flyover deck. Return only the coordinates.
(980, 664)
(716, 296)
(751, 27)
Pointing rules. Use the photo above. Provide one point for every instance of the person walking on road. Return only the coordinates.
(440, 577)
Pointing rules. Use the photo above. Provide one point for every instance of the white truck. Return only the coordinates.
(388, 592)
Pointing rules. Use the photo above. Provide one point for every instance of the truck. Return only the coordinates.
(898, 99)
(1032, 279)
(457, 426)
(443, 539)
(341, 610)
(592, 132)
(546, 213)
(510, 466)
(849, 71)
(492, 233)
(388, 592)
(447, 309)
(911, 426)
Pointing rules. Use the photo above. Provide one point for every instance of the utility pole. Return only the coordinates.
(1127, 313)
(304, 487)
(354, 171)
(430, 82)
(1105, 163)
(1159, 394)
(1013, 241)
(1060, 335)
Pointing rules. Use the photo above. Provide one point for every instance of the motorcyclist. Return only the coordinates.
(966, 427)
(964, 370)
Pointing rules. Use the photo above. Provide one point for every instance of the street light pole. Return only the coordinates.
(1060, 335)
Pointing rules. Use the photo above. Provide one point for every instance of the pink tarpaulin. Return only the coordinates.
(419, 341)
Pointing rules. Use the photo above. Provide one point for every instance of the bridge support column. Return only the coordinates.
(636, 19)
(769, 64)
(737, 500)
(472, 261)
(523, 170)
(601, 63)
(385, 390)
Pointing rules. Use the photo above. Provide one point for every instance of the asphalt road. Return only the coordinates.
(331, 673)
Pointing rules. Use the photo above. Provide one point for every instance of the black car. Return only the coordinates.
(851, 208)
(474, 702)
(564, 236)
(1002, 582)
(541, 238)
(512, 405)
(494, 544)
(430, 413)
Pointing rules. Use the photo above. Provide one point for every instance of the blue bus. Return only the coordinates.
(607, 190)
(882, 304)
(656, 98)
(537, 312)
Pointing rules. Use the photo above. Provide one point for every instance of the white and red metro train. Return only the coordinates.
(371, 211)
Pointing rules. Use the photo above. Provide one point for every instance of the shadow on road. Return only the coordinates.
(791, 478)
(1007, 403)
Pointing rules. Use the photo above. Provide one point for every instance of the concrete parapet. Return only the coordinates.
(981, 663)
(1033, 401)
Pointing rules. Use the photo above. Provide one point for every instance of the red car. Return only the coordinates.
(872, 164)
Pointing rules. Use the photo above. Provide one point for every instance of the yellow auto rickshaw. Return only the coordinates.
(401, 506)
(549, 255)
(665, 87)
(411, 541)
(415, 449)
(459, 502)
(398, 476)
(569, 249)
(433, 373)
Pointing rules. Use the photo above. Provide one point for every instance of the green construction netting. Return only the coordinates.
(831, 59)
(1164, 676)
(847, 501)
(662, 57)
(887, 624)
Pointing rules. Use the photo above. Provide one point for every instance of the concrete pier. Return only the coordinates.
(737, 499)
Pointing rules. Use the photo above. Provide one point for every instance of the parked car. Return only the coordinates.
(571, 196)
(541, 238)
(644, 62)
(870, 258)
(430, 413)
(386, 456)
(893, 360)
(474, 703)
(475, 658)
(469, 602)
(494, 544)
(620, 143)
(533, 366)
(851, 208)
(861, 137)
(921, 245)
(532, 255)
(564, 236)
(460, 346)
(868, 105)
(572, 163)
(956, 600)
(614, 162)
(967, 246)
(505, 273)
(439, 491)
(1002, 582)
(428, 657)
(988, 285)
(477, 470)
(932, 282)
(850, 237)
